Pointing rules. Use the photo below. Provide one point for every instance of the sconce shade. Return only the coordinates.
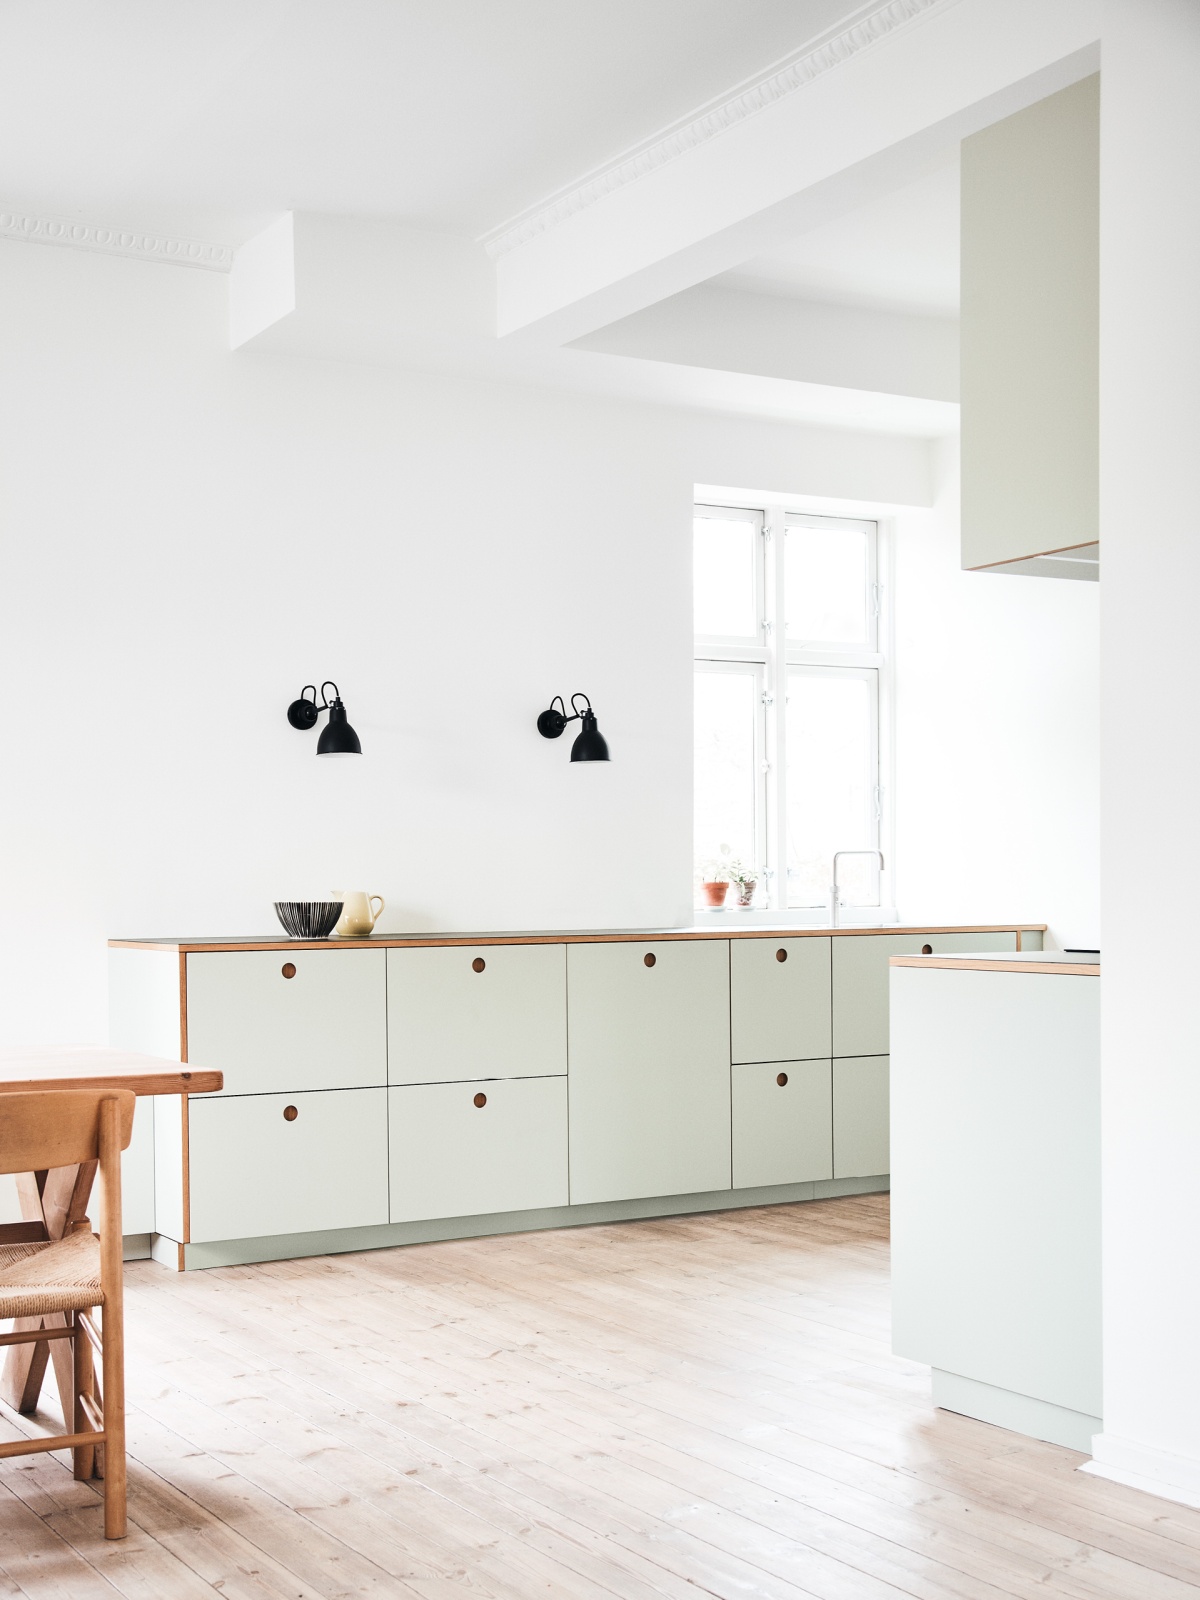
(590, 745)
(338, 738)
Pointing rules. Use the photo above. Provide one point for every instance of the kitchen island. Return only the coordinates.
(995, 1165)
(407, 1087)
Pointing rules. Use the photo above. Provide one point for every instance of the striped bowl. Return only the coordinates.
(308, 919)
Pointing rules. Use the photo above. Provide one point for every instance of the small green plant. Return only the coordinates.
(726, 868)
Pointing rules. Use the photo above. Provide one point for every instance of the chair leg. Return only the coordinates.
(113, 1364)
(83, 1384)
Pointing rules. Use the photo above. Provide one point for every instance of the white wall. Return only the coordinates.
(190, 535)
(1150, 536)
(997, 736)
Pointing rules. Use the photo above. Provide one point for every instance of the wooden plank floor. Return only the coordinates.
(651, 1411)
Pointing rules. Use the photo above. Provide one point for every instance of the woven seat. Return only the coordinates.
(39, 1278)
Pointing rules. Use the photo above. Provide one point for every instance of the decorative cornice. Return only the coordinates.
(134, 242)
(874, 23)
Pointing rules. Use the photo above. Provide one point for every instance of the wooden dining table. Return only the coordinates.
(53, 1200)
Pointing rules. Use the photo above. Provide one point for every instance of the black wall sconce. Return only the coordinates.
(590, 744)
(338, 738)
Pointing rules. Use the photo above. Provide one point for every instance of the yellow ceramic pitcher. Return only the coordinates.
(360, 913)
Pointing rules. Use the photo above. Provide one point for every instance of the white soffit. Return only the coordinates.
(896, 253)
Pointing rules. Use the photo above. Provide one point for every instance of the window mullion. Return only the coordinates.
(775, 689)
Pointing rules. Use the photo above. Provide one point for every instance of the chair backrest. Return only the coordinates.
(58, 1127)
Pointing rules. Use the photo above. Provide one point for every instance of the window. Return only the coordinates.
(790, 681)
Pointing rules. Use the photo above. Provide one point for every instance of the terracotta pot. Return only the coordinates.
(714, 893)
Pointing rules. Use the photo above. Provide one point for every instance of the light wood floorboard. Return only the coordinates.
(651, 1411)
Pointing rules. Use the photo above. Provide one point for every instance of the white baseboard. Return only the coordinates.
(1140, 1466)
(1021, 1413)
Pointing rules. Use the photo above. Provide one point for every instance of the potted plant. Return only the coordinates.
(745, 880)
(713, 889)
(722, 872)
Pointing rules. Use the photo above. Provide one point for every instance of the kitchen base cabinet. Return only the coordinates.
(860, 980)
(255, 1169)
(648, 1030)
(463, 1149)
(288, 1021)
(779, 993)
(624, 1075)
(996, 1259)
(477, 1011)
(782, 1122)
(137, 1172)
(860, 1117)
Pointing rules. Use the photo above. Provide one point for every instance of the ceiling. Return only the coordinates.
(207, 117)
(898, 253)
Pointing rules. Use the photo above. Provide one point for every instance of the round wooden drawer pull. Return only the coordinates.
(290, 1113)
(781, 955)
(650, 958)
(288, 970)
(478, 964)
(926, 949)
(781, 1080)
(480, 1100)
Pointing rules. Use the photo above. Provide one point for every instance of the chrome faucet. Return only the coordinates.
(834, 898)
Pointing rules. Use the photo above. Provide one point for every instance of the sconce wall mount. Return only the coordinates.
(338, 738)
(590, 744)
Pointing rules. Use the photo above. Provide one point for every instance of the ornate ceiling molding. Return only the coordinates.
(135, 242)
(874, 23)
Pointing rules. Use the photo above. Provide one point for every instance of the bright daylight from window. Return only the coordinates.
(787, 705)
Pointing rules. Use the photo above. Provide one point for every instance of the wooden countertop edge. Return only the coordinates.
(1071, 969)
(140, 1082)
(420, 940)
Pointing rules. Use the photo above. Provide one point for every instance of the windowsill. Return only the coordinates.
(806, 917)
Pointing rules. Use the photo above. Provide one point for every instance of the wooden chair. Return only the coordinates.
(73, 1275)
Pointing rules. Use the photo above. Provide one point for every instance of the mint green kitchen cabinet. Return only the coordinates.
(780, 999)
(782, 1122)
(638, 1073)
(266, 1164)
(288, 1020)
(476, 1011)
(861, 1112)
(860, 981)
(465, 1149)
(648, 1046)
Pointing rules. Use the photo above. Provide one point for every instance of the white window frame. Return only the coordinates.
(772, 654)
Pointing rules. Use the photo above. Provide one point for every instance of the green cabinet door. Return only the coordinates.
(780, 998)
(860, 980)
(648, 1068)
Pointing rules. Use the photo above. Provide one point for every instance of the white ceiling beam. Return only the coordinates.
(884, 103)
(776, 336)
(342, 289)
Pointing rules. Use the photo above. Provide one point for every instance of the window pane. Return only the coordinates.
(725, 709)
(825, 584)
(724, 577)
(830, 784)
